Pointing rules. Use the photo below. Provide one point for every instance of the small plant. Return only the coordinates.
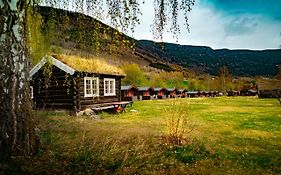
(177, 124)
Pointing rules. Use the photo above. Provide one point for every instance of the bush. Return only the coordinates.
(177, 124)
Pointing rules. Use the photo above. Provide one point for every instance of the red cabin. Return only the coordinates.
(146, 93)
(129, 93)
(162, 93)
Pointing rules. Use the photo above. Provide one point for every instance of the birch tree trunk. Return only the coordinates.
(16, 129)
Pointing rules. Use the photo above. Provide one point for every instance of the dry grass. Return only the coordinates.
(245, 140)
(91, 65)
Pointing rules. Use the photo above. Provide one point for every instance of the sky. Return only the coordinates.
(232, 24)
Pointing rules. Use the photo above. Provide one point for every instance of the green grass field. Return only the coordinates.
(239, 135)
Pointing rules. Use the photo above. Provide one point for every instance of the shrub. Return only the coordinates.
(177, 124)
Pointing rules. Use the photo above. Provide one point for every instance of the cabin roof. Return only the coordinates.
(72, 64)
(269, 84)
(192, 92)
(253, 91)
(172, 89)
(159, 89)
(124, 88)
(182, 90)
(145, 88)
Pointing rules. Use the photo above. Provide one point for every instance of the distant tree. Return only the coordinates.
(196, 84)
(211, 83)
(157, 80)
(225, 80)
(173, 79)
(134, 75)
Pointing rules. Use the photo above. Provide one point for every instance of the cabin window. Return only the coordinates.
(91, 86)
(109, 87)
(31, 92)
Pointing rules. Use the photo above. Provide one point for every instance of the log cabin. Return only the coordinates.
(209, 93)
(192, 93)
(182, 93)
(269, 88)
(213, 93)
(248, 92)
(129, 93)
(146, 93)
(74, 83)
(173, 92)
(233, 93)
(162, 93)
(205, 93)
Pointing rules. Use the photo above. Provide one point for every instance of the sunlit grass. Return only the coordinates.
(239, 135)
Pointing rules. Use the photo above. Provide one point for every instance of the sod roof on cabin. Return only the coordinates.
(90, 65)
(269, 84)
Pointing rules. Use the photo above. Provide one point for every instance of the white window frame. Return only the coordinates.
(31, 92)
(91, 86)
(114, 91)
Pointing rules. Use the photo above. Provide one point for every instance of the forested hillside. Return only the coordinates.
(205, 59)
(80, 33)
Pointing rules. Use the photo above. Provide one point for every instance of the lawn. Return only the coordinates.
(225, 135)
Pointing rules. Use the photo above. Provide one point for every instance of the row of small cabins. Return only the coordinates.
(132, 93)
(65, 82)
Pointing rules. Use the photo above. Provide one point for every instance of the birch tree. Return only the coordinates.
(16, 130)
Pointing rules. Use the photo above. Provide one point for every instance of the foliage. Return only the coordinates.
(196, 84)
(134, 75)
(165, 11)
(183, 80)
(173, 79)
(225, 79)
(37, 42)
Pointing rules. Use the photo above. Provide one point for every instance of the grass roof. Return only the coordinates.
(91, 65)
(269, 84)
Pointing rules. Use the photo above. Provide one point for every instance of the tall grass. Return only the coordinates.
(177, 123)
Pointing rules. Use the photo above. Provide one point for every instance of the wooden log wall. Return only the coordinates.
(269, 93)
(54, 91)
(86, 102)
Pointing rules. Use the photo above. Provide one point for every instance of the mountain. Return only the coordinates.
(80, 33)
(207, 60)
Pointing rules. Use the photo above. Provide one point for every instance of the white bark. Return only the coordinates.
(15, 104)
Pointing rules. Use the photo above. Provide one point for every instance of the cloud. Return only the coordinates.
(241, 25)
(219, 29)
